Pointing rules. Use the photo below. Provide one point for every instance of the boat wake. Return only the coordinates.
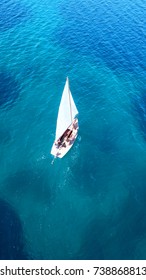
(43, 157)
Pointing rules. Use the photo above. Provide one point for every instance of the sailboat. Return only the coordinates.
(67, 124)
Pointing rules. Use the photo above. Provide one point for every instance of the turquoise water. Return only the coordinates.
(91, 203)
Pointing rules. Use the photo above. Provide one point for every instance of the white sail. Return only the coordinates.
(67, 111)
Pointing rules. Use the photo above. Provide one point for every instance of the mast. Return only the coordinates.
(69, 100)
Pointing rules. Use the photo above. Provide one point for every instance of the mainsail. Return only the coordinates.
(67, 111)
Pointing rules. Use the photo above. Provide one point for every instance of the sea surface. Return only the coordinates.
(92, 203)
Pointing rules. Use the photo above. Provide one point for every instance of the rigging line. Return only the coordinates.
(69, 100)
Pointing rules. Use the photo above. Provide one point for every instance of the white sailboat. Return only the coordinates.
(67, 124)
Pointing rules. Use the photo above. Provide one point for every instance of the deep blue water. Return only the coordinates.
(91, 203)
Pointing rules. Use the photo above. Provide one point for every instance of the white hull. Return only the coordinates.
(56, 152)
(67, 124)
(61, 151)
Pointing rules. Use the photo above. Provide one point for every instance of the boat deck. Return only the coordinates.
(60, 150)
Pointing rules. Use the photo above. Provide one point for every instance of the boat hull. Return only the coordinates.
(61, 150)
